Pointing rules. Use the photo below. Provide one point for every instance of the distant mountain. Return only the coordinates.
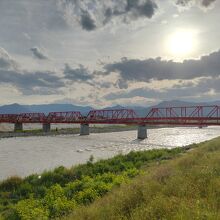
(46, 108)
(183, 103)
(16, 108)
(214, 103)
(58, 108)
(13, 109)
(114, 107)
(142, 111)
(176, 103)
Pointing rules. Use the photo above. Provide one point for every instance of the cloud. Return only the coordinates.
(133, 10)
(121, 84)
(91, 14)
(6, 62)
(207, 3)
(29, 83)
(87, 22)
(189, 3)
(80, 74)
(205, 88)
(158, 69)
(126, 94)
(38, 53)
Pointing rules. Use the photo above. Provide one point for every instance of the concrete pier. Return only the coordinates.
(84, 129)
(46, 127)
(18, 126)
(142, 132)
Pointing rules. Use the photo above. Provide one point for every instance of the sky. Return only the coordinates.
(109, 52)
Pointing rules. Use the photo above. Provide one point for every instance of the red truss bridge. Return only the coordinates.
(199, 116)
(191, 115)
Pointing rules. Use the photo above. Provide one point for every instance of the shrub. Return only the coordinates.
(86, 196)
(11, 184)
(57, 203)
(31, 209)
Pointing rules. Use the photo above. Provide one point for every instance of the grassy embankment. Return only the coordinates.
(187, 187)
(157, 184)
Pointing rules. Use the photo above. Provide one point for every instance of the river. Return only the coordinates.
(23, 156)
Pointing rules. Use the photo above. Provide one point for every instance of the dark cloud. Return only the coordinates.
(80, 74)
(147, 9)
(96, 79)
(184, 2)
(204, 3)
(132, 10)
(38, 53)
(87, 22)
(200, 90)
(146, 70)
(30, 83)
(93, 13)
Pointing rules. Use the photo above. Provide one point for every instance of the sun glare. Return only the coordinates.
(181, 43)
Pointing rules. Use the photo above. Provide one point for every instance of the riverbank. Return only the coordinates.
(65, 131)
(61, 190)
(185, 187)
(162, 184)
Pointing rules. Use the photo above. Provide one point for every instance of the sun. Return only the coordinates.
(181, 43)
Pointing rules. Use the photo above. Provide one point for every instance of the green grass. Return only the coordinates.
(57, 193)
(187, 187)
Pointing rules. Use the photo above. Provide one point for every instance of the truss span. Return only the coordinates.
(182, 116)
(190, 115)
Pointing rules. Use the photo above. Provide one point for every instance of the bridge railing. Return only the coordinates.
(111, 115)
(64, 117)
(187, 115)
(184, 115)
(189, 111)
(8, 118)
(31, 118)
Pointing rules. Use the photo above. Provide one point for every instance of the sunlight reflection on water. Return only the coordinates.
(26, 155)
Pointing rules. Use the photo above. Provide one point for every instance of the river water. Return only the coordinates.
(23, 156)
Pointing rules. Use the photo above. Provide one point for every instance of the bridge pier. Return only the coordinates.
(142, 132)
(84, 129)
(46, 127)
(18, 126)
